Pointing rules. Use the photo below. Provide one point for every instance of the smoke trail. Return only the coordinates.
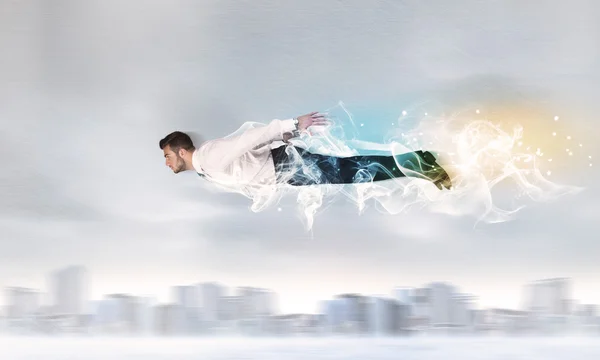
(484, 162)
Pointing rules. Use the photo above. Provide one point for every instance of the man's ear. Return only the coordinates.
(182, 152)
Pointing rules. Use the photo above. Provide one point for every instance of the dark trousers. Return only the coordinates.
(345, 170)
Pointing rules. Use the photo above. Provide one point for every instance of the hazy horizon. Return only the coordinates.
(456, 347)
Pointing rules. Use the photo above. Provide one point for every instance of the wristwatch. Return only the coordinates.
(296, 132)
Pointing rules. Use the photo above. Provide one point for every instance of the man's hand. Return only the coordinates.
(314, 118)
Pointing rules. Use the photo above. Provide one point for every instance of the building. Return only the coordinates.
(230, 308)
(257, 307)
(188, 300)
(69, 291)
(292, 325)
(548, 303)
(333, 315)
(210, 296)
(168, 319)
(146, 315)
(117, 314)
(22, 302)
(383, 316)
(126, 312)
(506, 321)
(421, 310)
(442, 304)
(257, 302)
(462, 312)
(406, 296)
(355, 313)
(187, 296)
(549, 297)
(3, 321)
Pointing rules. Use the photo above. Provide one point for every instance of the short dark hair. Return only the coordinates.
(177, 140)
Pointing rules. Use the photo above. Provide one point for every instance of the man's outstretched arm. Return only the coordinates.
(221, 152)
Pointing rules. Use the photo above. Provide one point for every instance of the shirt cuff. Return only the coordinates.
(287, 125)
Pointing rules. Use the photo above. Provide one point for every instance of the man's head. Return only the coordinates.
(178, 149)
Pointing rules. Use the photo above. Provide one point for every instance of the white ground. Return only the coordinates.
(582, 348)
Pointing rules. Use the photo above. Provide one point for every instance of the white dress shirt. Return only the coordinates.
(242, 162)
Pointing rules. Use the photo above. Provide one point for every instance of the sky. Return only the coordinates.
(89, 88)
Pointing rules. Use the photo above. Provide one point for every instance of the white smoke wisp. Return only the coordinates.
(482, 158)
(484, 163)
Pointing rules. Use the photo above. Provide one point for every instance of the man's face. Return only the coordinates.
(173, 160)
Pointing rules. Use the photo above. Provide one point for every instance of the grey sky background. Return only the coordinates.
(88, 88)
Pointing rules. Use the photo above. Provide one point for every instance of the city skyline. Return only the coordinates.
(310, 305)
(210, 308)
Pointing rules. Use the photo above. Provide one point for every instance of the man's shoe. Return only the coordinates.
(435, 172)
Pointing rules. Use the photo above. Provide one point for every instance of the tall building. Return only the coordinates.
(355, 313)
(549, 297)
(441, 301)
(383, 316)
(146, 314)
(421, 309)
(334, 314)
(69, 290)
(126, 312)
(188, 304)
(211, 296)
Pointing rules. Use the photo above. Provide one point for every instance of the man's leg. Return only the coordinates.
(359, 169)
(378, 168)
